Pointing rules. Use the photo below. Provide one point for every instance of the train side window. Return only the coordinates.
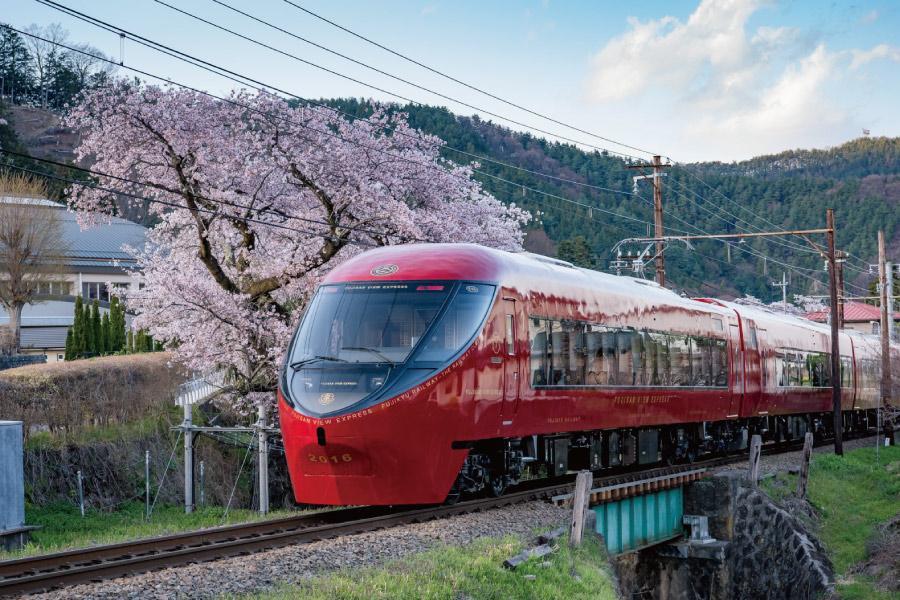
(751, 336)
(593, 357)
(510, 336)
(559, 340)
(805, 370)
(626, 341)
(846, 372)
(680, 359)
(700, 362)
(720, 362)
(575, 358)
(537, 333)
(780, 369)
(658, 358)
(610, 356)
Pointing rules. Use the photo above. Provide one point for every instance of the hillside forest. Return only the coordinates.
(584, 200)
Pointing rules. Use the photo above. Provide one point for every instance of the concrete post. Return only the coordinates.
(263, 438)
(187, 425)
(81, 493)
(147, 485)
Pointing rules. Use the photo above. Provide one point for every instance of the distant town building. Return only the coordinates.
(858, 316)
(96, 265)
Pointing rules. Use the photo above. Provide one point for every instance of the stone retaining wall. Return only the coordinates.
(764, 552)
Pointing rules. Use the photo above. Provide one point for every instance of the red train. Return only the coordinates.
(422, 372)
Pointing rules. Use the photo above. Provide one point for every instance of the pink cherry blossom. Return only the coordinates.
(259, 201)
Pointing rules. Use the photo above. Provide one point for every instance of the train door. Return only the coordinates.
(752, 370)
(737, 371)
(510, 363)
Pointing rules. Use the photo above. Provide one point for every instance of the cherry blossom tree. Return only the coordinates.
(256, 201)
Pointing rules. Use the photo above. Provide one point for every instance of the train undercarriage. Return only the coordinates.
(494, 465)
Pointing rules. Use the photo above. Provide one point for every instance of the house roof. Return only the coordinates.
(98, 246)
(854, 312)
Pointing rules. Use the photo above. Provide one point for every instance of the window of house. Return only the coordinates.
(94, 290)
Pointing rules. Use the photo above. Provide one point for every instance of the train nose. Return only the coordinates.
(345, 456)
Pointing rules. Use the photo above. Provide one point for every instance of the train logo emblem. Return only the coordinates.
(382, 270)
(326, 398)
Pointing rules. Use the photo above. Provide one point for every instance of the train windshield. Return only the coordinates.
(354, 335)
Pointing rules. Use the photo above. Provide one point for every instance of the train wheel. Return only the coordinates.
(453, 496)
(497, 486)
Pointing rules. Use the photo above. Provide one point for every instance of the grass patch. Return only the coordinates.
(852, 494)
(64, 528)
(158, 422)
(473, 571)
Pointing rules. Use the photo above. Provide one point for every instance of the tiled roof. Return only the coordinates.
(853, 312)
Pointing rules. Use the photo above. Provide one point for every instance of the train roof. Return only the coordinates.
(423, 262)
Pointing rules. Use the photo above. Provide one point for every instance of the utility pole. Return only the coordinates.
(892, 330)
(188, 426)
(835, 332)
(839, 258)
(783, 285)
(886, 325)
(263, 449)
(658, 231)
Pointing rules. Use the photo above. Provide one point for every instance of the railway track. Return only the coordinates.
(50, 571)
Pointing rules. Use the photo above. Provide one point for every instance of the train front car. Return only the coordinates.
(371, 393)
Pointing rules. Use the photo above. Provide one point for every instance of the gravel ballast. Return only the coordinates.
(772, 463)
(263, 570)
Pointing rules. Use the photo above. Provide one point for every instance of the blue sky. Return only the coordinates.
(695, 80)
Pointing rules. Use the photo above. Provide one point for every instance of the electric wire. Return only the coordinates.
(281, 214)
(211, 69)
(367, 66)
(585, 206)
(463, 83)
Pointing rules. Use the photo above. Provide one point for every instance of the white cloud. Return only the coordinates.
(863, 57)
(713, 81)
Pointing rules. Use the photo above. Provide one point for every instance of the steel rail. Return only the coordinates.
(70, 567)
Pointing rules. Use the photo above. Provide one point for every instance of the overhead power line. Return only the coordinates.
(280, 214)
(463, 83)
(260, 86)
(176, 205)
(267, 46)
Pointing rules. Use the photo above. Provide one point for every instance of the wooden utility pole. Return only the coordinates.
(804, 466)
(835, 332)
(839, 258)
(658, 221)
(658, 231)
(580, 506)
(886, 324)
(755, 452)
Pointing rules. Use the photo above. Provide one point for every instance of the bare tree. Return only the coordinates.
(31, 246)
(43, 50)
(88, 61)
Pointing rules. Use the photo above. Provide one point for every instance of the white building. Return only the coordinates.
(96, 264)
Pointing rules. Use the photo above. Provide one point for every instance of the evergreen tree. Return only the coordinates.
(139, 341)
(117, 325)
(79, 330)
(69, 343)
(129, 348)
(577, 251)
(105, 333)
(15, 66)
(94, 326)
